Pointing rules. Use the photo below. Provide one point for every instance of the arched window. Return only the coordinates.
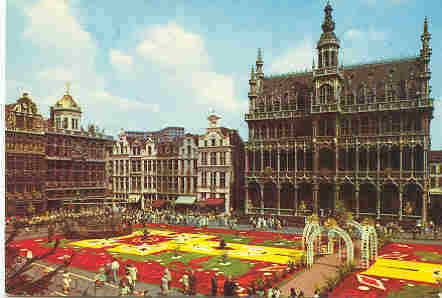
(326, 94)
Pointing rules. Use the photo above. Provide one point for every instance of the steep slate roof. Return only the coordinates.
(373, 74)
(436, 156)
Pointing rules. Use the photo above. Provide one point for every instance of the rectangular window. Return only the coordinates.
(222, 179)
(204, 179)
(364, 126)
(213, 179)
(223, 158)
(212, 158)
(204, 158)
(195, 164)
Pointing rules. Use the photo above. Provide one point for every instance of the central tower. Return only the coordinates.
(326, 77)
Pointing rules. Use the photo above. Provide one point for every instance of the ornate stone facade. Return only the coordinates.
(435, 161)
(25, 157)
(153, 168)
(358, 133)
(220, 165)
(47, 165)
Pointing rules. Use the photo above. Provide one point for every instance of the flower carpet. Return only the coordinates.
(250, 255)
(401, 270)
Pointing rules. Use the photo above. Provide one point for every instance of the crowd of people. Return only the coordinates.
(132, 216)
(265, 222)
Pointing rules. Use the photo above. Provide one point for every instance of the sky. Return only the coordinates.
(145, 65)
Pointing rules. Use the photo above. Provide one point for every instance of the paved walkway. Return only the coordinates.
(324, 268)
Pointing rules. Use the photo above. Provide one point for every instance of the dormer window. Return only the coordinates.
(213, 142)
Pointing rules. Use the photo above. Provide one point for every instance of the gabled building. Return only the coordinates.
(158, 168)
(221, 166)
(52, 162)
(25, 158)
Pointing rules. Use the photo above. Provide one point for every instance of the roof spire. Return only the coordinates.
(328, 25)
(68, 87)
(259, 55)
(426, 25)
(252, 73)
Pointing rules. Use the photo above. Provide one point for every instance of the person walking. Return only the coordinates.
(164, 285)
(185, 282)
(50, 232)
(168, 276)
(66, 282)
(227, 287)
(133, 274)
(214, 285)
(115, 266)
(192, 283)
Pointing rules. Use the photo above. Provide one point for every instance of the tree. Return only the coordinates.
(17, 279)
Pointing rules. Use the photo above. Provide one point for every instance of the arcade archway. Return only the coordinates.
(367, 198)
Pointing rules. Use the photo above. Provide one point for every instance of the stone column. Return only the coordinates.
(337, 190)
(378, 150)
(246, 201)
(368, 159)
(247, 167)
(401, 161)
(357, 158)
(278, 166)
(357, 201)
(261, 188)
(424, 205)
(378, 202)
(296, 159)
(401, 192)
(295, 194)
(315, 198)
(262, 158)
(278, 197)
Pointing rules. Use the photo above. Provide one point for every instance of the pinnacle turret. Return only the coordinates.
(425, 38)
(252, 74)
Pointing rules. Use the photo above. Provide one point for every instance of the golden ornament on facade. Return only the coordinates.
(330, 222)
(313, 218)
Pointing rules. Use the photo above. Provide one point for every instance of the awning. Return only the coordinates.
(436, 191)
(212, 202)
(133, 198)
(185, 200)
(158, 203)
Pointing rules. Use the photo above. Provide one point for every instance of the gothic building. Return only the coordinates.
(357, 133)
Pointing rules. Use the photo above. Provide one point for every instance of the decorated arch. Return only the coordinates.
(333, 229)
(311, 226)
(368, 241)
